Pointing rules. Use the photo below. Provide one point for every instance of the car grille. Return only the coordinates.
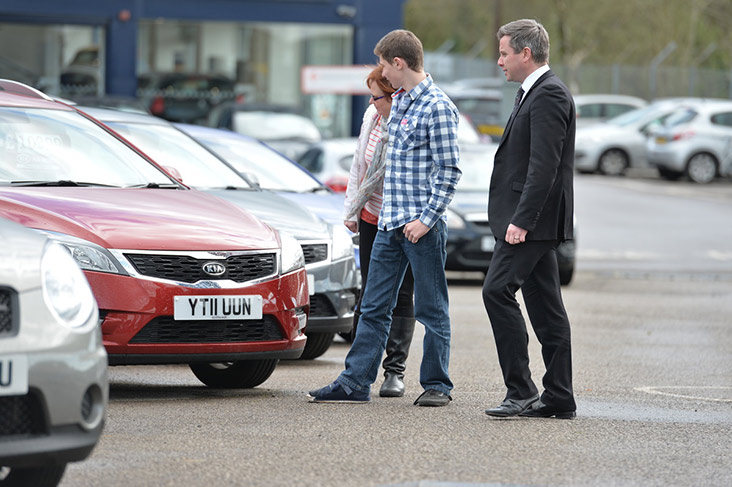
(314, 252)
(6, 312)
(184, 268)
(167, 330)
(21, 416)
(320, 306)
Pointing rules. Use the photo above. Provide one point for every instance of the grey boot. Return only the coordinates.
(397, 351)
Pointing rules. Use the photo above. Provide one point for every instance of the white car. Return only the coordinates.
(695, 141)
(53, 366)
(330, 160)
(613, 146)
(592, 109)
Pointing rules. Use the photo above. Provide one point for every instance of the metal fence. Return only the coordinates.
(643, 81)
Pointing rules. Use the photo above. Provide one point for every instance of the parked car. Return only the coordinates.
(53, 367)
(483, 107)
(596, 108)
(281, 127)
(330, 160)
(620, 143)
(184, 97)
(329, 258)
(695, 141)
(179, 275)
(273, 171)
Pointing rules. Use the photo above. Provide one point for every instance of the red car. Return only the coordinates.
(179, 276)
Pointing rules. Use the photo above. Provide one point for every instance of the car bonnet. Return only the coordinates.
(144, 219)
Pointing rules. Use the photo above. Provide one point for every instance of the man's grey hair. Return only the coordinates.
(527, 33)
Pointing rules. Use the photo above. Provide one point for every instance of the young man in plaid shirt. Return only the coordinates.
(421, 175)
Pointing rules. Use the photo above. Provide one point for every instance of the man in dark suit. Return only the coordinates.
(530, 210)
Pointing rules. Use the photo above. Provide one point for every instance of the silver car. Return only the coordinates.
(613, 146)
(695, 141)
(594, 108)
(53, 366)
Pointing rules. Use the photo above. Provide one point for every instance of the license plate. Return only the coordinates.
(311, 284)
(660, 140)
(13, 375)
(217, 307)
(487, 244)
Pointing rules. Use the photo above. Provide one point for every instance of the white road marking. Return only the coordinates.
(657, 390)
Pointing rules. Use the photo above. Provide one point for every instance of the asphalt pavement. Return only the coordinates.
(652, 350)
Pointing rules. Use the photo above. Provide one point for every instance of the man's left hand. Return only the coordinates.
(414, 230)
(515, 235)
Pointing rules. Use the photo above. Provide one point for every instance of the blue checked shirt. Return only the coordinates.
(422, 158)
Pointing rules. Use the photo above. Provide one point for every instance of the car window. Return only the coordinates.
(615, 109)
(273, 170)
(170, 147)
(591, 110)
(682, 115)
(722, 119)
(312, 160)
(53, 145)
(275, 126)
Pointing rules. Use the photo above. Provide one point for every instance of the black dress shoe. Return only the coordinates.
(433, 398)
(512, 407)
(393, 386)
(541, 410)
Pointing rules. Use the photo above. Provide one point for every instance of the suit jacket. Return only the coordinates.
(532, 183)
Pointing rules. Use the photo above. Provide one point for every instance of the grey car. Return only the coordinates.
(53, 366)
(329, 256)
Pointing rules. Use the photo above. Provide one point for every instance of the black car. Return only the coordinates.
(184, 97)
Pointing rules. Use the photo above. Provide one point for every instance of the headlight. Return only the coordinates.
(89, 256)
(291, 256)
(342, 243)
(454, 220)
(65, 289)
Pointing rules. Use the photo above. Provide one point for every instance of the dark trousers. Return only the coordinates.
(532, 267)
(405, 300)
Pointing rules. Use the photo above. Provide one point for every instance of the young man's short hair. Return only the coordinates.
(402, 44)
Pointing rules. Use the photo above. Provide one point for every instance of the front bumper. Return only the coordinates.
(138, 326)
(62, 415)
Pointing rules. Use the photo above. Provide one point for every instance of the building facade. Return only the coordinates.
(108, 47)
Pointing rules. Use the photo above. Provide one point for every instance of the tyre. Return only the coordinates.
(612, 162)
(37, 477)
(701, 168)
(669, 174)
(244, 374)
(316, 345)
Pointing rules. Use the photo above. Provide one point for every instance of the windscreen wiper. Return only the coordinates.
(60, 182)
(156, 186)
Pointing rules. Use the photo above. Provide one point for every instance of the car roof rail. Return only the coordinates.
(22, 89)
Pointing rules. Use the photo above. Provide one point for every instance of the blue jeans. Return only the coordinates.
(389, 258)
